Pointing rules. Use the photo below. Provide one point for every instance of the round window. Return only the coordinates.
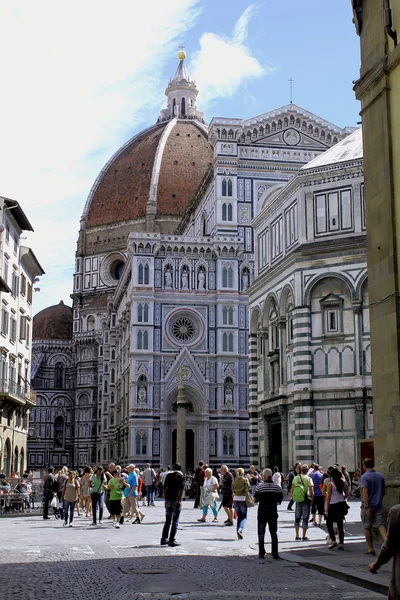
(183, 329)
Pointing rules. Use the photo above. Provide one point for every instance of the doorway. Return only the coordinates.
(276, 445)
(189, 463)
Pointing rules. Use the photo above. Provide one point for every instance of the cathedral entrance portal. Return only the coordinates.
(189, 461)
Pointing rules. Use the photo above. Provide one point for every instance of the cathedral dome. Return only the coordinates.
(155, 174)
(53, 323)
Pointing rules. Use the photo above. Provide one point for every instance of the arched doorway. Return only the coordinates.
(196, 428)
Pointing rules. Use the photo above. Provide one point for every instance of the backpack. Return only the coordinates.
(299, 493)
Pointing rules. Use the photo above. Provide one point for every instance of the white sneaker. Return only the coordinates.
(117, 525)
(100, 522)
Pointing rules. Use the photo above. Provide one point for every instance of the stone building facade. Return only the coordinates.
(20, 270)
(164, 259)
(310, 357)
(378, 89)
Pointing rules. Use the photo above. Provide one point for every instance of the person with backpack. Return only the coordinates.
(302, 493)
(291, 475)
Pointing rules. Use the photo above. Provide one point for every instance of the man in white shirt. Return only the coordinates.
(149, 476)
(277, 477)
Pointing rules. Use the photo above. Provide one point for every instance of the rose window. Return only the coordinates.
(183, 329)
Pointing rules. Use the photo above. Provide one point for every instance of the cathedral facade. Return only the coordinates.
(164, 261)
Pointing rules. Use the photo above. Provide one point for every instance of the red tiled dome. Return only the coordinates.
(53, 323)
(169, 160)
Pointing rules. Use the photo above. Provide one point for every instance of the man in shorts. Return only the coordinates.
(226, 492)
(372, 492)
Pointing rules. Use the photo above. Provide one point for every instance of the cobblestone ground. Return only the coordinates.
(41, 560)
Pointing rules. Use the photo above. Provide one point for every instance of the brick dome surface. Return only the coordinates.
(53, 323)
(170, 159)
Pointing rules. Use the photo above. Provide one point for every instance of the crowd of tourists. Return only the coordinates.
(317, 495)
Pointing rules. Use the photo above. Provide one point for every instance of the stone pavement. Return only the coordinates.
(40, 560)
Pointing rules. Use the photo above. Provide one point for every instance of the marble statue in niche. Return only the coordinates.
(201, 280)
(185, 279)
(142, 395)
(228, 396)
(245, 280)
(168, 279)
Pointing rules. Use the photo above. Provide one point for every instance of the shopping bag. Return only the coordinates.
(54, 502)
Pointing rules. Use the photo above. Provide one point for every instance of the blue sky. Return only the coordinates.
(79, 79)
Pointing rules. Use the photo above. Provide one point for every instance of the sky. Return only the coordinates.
(79, 79)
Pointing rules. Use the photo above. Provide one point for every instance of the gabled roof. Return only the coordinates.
(296, 110)
(18, 214)
(349, 149)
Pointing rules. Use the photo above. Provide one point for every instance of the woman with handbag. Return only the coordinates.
(336, 507)
(209, 496)
(70, 495)
(240, 488)
(98, 482)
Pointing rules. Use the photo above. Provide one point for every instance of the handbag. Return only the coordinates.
(249, 500)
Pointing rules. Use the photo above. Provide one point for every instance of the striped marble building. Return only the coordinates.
(309, 372)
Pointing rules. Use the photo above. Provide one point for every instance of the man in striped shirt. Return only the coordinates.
(268, 495)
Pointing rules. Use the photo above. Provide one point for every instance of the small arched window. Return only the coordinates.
(105, 386)
(228, 443)
(112, 418)
(230, 187)
(112, 354)
(183, 107)
(112, 397)
(230, 212)
(224, 212)
(141, 443)
(59, 432)
(227, 277)
(224, 187)
(59, 376)
(173, 107)
(112, 375)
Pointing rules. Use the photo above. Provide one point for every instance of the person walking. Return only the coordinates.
(254, 478)
(291, 475)
(108, 476)
(209, 495)
(149, 477)
(131, 495)
(98, 483)
(391, 549)
(61, 479)
(50, 487)
(318, 502)
(86, 491)
(372, 493)
(277, 476)
(174, 486)
(69, 497)
(240, 487)
(116, 486)
(268, 495)
(226, 492)
(336, 507)
(302, 493)
(197, 484)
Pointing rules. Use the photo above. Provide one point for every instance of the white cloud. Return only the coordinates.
(223, 64)
(77, 78)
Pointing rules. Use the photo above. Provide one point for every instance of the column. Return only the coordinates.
(285, 439)
(304, 427)
(181, 428)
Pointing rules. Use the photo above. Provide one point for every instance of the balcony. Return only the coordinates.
(10, 390)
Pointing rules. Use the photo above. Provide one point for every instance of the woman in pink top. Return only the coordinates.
(336, 507)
